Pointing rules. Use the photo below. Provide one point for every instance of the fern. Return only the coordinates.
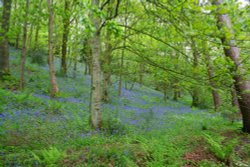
(49, 156)
(215, 147)
(221, 152)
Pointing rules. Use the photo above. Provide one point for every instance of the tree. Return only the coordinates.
(210, 72)
(4, 41)
(232, 51)
(66, 28)
(24, 49)
(95, 101)
(107, 66)
(54, 87)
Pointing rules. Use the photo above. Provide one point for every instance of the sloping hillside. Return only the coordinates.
(140, 129)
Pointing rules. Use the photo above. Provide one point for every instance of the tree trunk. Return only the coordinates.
(141, 73)
(37, 36)
(17, 41)
(195, 92)
(95, 103)
(54, 87)
(106, 67)
(215, 94)
(106, 83)
(24, 49)
(4, 41)
(38, 27)
(121, 70)
(66, 23)
(75, 68)
(29, 43)
(175, 97)
(231, 50)
(123, 52)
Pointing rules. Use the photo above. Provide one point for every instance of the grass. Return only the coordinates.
(140, 129)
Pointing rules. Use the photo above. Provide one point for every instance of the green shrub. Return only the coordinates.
(49, 157)
(222, 152)
(37, 55)
(114, 126)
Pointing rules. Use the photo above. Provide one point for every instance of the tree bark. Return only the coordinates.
(141, 73)
(175, 97)
(231, 50)
(106, 67)
(66, 24)
(15, 25)
(29, 43)
(24, 45)
(121, 70)
(4, 41)
(123, 52)
(37, 35)
(195, 93)
(95, 103)
(17, 41)
(54, 87)
(75, 68)
(37, 27)
(215, 94)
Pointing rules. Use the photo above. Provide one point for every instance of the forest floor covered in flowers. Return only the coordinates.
(139, 128)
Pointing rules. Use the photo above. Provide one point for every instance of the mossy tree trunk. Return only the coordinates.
(4, 41)
(54, 87)
(232, 51)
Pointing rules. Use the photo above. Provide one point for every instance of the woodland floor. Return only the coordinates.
(140, 129)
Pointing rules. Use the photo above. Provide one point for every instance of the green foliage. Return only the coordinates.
(55, 107)
(38, 55)
(222, 152)
(113, 126)
(9, 82)
(49, 156)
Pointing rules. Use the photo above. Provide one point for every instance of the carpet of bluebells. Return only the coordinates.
(139, 127)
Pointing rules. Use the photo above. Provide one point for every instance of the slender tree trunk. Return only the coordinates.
(75, 68)
(175, 84)
(54, 87)
(17, 41)
(175, 97)
(4, 41)
(121, 70)
(24, 49)
(106, 83)
(231, 50)
(38, 27)
(123, 53)
(141, 73)
(37, 36)
(106, 67)
(95, 103)
(195, 93)
(15, 25)
(66, 23)
(215, 94)
(29, 43)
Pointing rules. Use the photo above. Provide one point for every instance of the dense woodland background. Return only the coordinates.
(124, 83)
